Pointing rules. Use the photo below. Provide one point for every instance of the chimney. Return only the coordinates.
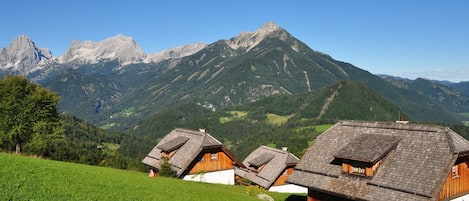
(285, 148)
(202, 130)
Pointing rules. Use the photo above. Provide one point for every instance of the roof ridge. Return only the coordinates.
(189, 131)
(275, 149)
(394, 126)
(456, 142)
(206, 136)
(450, 141)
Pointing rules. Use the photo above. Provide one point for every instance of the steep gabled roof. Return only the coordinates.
(188, 145)
(274, 162)
(416, 169)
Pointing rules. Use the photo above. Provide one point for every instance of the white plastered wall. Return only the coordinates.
(218, 177)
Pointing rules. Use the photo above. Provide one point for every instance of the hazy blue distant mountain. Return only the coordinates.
(447, 96)
(462, 86)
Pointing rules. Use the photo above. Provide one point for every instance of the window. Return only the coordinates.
(454, 171)
(213, 156)
(358, 170)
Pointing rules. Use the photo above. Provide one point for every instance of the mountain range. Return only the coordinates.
(114, 83)
(23, 57)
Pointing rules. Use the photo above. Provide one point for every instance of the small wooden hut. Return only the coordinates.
(193, 155)
(269, 168)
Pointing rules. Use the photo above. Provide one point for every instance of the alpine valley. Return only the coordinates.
(114, 84)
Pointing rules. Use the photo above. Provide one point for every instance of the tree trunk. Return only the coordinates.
(18, 149)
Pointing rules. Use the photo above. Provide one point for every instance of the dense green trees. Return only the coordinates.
(31, 123)
(29, 117)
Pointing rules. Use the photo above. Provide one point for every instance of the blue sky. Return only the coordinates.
(411, 39)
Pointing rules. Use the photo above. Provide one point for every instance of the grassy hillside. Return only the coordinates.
(24, 178)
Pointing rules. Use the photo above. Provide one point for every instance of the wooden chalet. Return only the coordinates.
(193, 155)
(384, 161)
(269, 168)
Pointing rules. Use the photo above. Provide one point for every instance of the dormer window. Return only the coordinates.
(258, 163)
(169, 148)
(364, 154)
(358, 170)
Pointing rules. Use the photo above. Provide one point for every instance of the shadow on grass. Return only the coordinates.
(296, 198)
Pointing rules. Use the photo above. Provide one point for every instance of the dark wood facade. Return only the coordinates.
(457, 182)
(212, 160)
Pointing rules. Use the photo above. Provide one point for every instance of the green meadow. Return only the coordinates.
(26, 178)
(276, 119)
(317, 128)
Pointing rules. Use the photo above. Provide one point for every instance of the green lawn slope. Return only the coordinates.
(25, 178)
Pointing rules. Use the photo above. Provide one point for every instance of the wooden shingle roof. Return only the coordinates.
(261, 159)
(173, 144)
(415, 169)
(274, 162)
(368, 148)
(189, 144)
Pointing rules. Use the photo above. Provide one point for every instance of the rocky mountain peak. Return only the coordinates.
(23, 56)
(268, 28)
(120, 47)
(248, 40)
(177, 52)
(21, 42)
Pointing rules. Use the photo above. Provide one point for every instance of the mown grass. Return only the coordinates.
(275, 119)
(25, 178)
(234, 115)
(317, 128)
(322, 128)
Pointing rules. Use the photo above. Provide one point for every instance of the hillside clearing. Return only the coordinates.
(317, 128)
(275, 119)
(25, 178)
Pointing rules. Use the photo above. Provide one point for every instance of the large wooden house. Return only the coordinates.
(384, 161)
(269, 168)
(193, 155)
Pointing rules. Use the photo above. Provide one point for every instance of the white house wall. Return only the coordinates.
(218, 177)
(288, 188)
(462, 198)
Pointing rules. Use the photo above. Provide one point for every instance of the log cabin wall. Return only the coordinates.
(209, 164)
(346, 168)
(283, 177)
(369, 170)
(458, 184)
